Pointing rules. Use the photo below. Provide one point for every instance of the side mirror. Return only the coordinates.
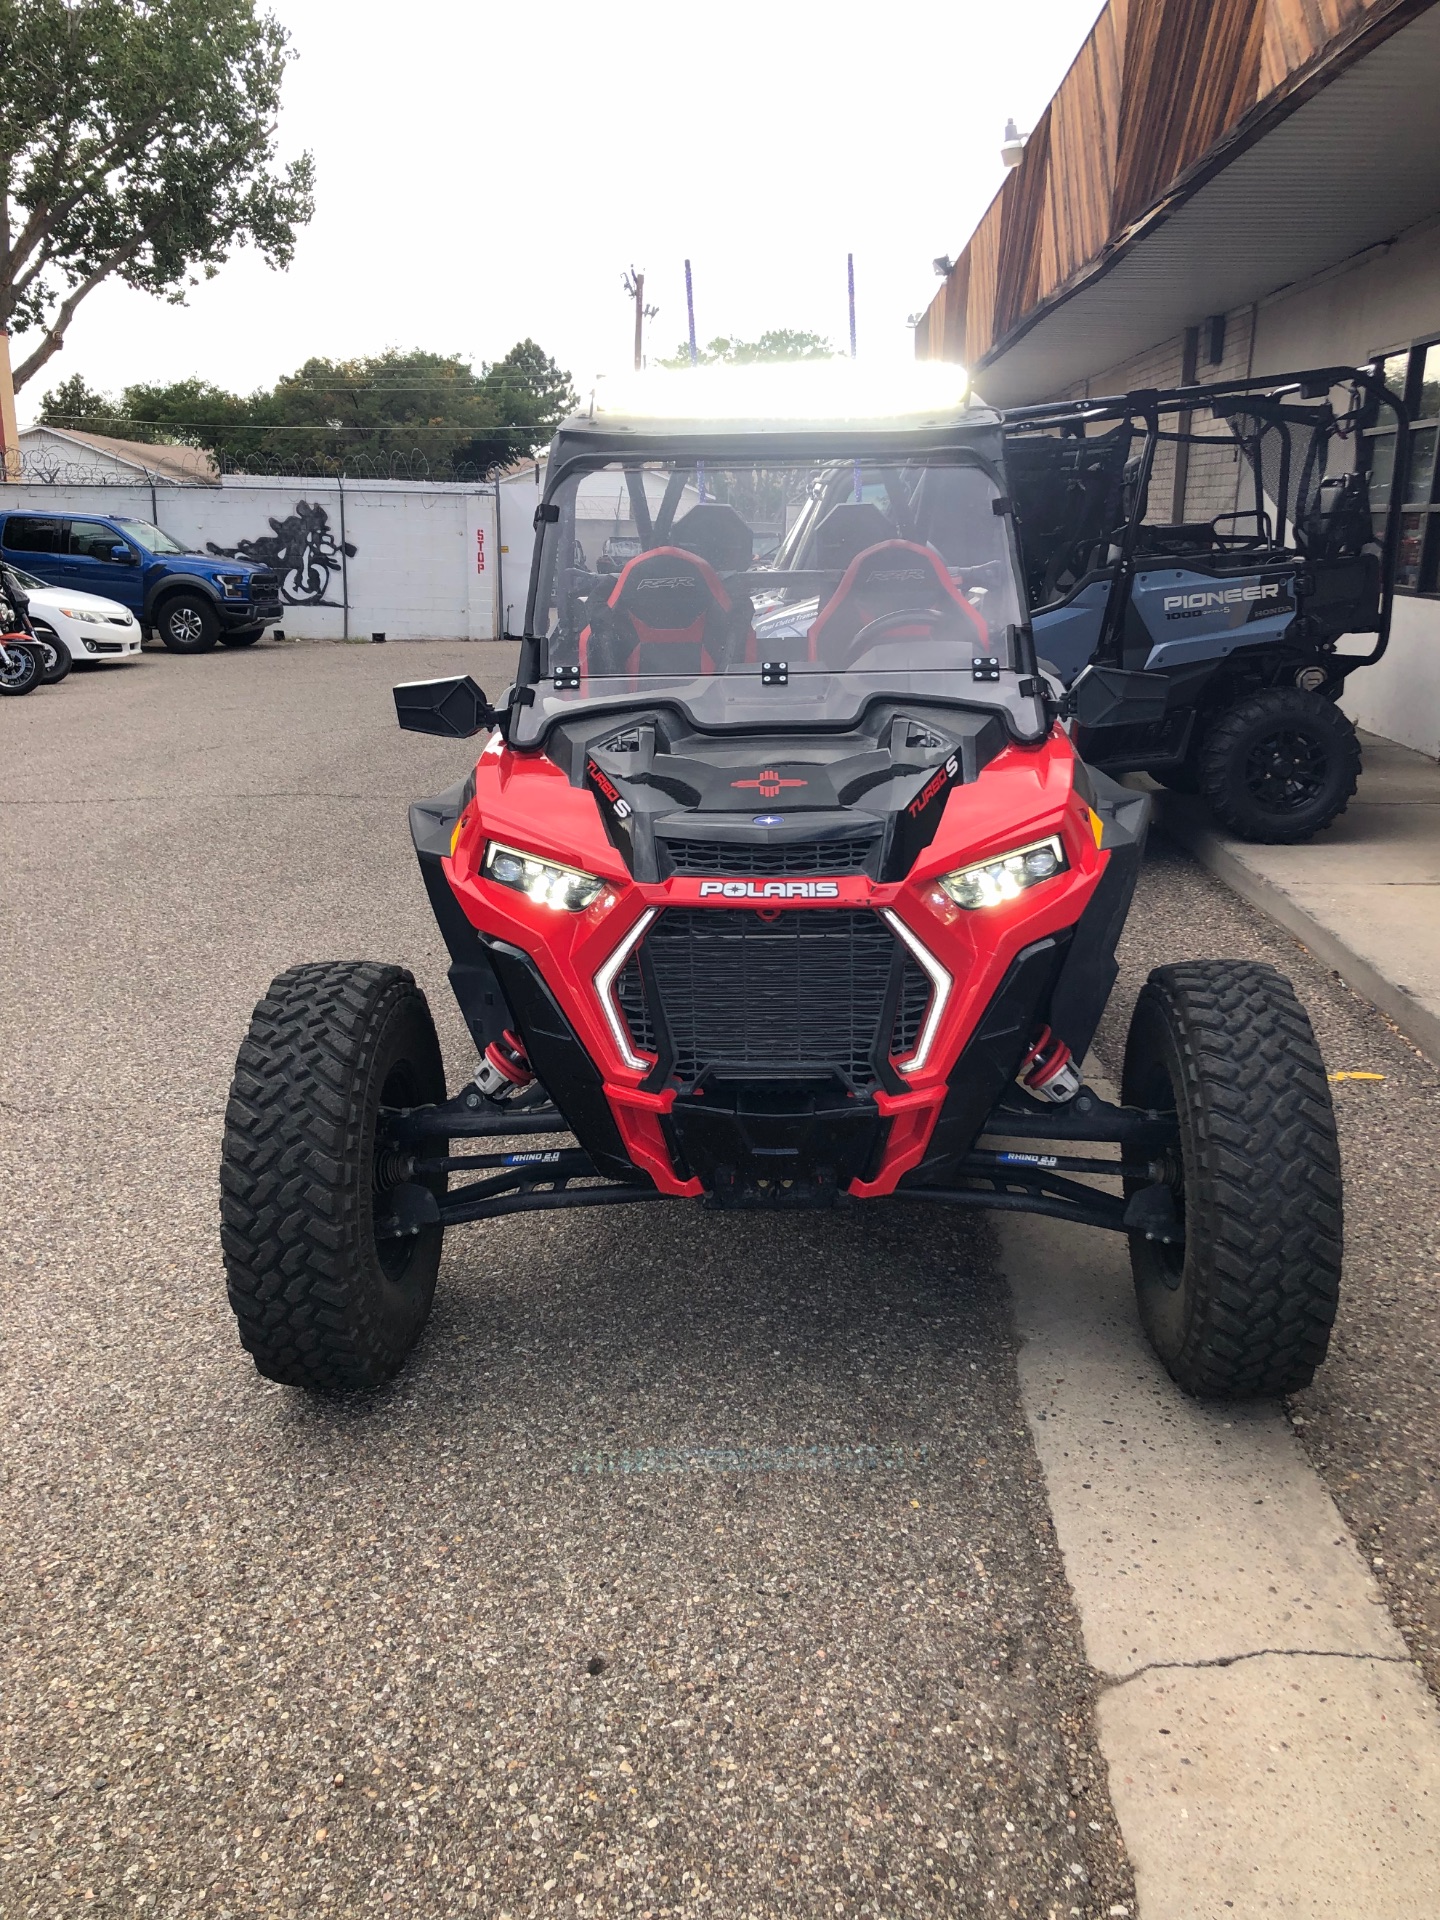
(454, 708)
(1109, 697)
(122, 555)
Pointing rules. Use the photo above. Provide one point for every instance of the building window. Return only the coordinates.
(1414, 375)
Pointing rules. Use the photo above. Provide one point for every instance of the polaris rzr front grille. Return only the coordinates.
(741, 857)
(772, 988)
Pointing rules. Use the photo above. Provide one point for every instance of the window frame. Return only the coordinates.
(1427, 582)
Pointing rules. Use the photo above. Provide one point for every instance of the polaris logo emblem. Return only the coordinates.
(770, 890)
(1176, 603)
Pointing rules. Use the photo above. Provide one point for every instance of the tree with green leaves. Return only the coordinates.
(432, 411)
(137, 143)
(780, 343)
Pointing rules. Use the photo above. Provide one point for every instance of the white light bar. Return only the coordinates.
(820, 393)
(604, 986)
(940, 982)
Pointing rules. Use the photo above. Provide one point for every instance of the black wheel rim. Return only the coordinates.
(20, 669)
(1285, 771)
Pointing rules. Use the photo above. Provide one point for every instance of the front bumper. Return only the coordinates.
(97, 641)
(235, 613)
(687, 1099)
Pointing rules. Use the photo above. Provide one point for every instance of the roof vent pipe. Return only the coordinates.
(1013, 151)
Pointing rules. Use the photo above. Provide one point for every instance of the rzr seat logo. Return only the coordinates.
(895, 577)
(940, 778)
(770, 889)
(1182, 603)
(769, 783)
(654, 584)
(609, 789)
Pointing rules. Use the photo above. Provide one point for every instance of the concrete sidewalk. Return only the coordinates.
(1364, 896)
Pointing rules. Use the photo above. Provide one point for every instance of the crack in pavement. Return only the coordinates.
(1111, 1680)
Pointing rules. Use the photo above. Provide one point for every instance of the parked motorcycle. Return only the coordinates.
(30, 659)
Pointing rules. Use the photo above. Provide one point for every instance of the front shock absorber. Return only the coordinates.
(1048, 1072)
(505, 1070)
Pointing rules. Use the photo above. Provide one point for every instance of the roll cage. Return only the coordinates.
(1082, 506)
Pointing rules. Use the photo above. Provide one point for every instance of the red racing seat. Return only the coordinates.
(668, 613)
(892, 577)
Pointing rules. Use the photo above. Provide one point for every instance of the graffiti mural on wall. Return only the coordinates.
(302, 550)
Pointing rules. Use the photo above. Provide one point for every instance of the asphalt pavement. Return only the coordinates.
(694, 1565)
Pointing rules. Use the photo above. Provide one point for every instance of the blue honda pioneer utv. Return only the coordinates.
(1208, 654)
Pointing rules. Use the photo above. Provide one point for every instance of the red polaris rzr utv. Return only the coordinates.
(779, 887)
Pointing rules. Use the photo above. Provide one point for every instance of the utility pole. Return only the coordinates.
(634, 284)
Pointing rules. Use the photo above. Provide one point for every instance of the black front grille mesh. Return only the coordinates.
(630, 995)
(765, 989)
(800, 856)
(910, 1014)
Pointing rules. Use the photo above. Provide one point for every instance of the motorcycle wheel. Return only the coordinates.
(20, 670)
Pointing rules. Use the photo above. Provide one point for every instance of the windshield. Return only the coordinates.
(786, 593)
(146, 535)
(27, 581)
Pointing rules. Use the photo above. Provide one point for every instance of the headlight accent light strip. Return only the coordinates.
(940, 983)
(605, 987)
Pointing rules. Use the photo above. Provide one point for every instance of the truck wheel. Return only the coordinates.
(241, 636)
(187, 623)
(320, 1300)
(1245, 1306)
(1280, 765)
(23, 669)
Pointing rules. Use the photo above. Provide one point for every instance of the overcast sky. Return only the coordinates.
(489, 171)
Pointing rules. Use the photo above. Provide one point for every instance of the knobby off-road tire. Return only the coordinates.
(1245, 1308)
(320, 1302)
(1279, 765)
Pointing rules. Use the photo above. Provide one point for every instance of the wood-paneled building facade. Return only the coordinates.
(1225, 187)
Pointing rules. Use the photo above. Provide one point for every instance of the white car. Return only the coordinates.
(97, 631)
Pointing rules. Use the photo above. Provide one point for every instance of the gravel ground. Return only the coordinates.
(1371, 1422)
(694, 1565)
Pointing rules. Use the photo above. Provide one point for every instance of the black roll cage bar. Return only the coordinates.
(1147, 404)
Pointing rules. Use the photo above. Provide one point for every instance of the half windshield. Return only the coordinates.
(772, 595)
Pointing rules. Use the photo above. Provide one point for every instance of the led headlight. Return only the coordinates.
(994, 881)
(234, 585)
(564, 888)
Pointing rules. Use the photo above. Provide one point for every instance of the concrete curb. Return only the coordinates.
(1181, 821)
(1272, 1749)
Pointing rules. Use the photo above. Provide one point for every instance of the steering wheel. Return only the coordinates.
(945, 623)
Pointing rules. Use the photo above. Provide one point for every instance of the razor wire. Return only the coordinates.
(399, 464)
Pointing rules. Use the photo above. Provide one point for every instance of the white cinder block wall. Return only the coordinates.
(426, 563)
